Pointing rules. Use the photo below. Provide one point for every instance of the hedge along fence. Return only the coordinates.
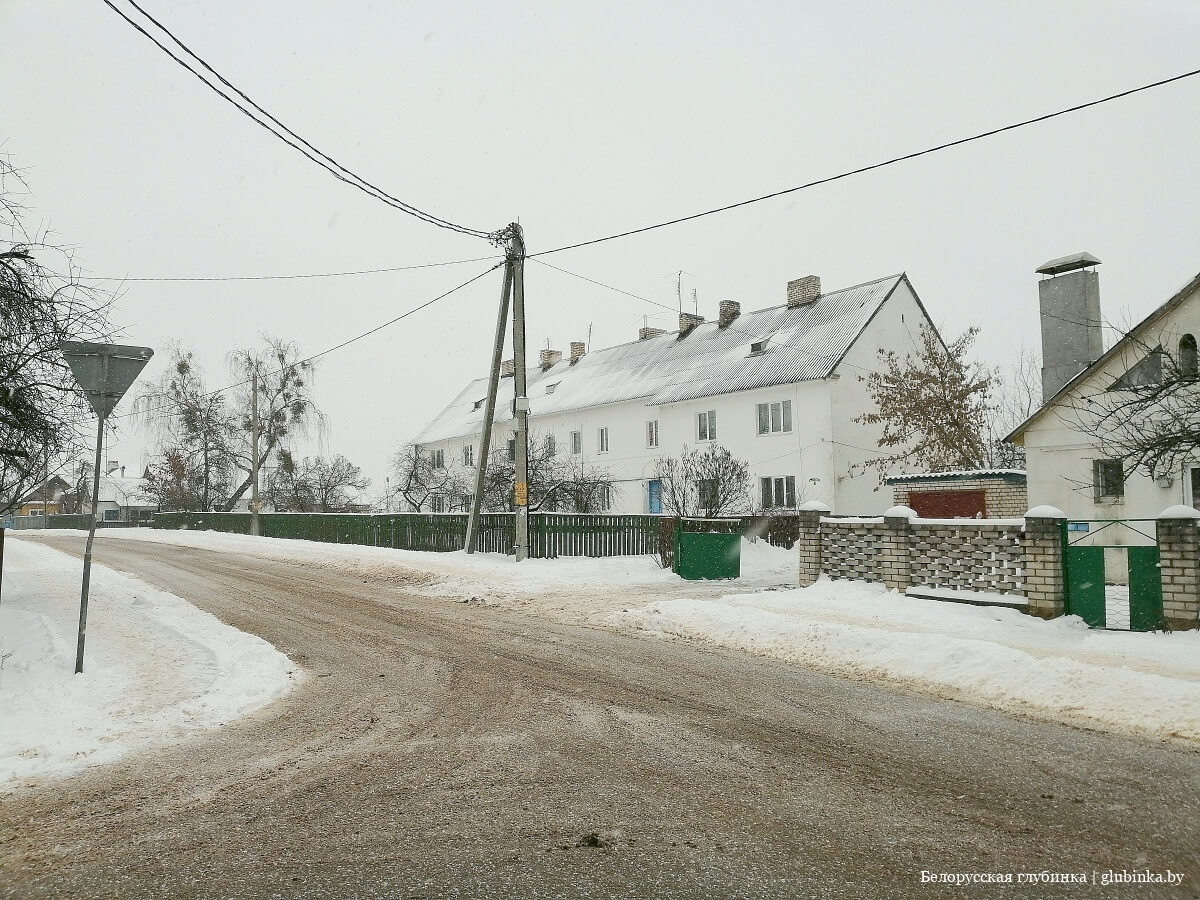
(550, 534)
(79, 521)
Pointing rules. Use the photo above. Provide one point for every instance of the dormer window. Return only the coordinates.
(479, 403)
(759, 347)
(551, 387)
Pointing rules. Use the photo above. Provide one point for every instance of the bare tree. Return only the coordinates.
(42, 415)
(934, 405)
(315, 485)
(556, 481)
(704, 482)
(196, 462)
(419, 480)
(1017, 394)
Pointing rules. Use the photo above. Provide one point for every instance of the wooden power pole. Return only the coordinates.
(254, 436)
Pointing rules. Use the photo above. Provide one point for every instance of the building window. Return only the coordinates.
(437, 503)
(605, 497)
(775, 418)
(652, 433)
(576, 442)
(602, 440)
(654, 496)
(778, 492)
(551, 448)
(112, 515)
(706, 426)
(1188, 363)
(468, 454)
(438, 458)
(707, 490)
(478, 403)
(1108, 479)
(551, 387)
(512, 449)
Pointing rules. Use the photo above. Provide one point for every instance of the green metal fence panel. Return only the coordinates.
(1085, 584)
(708, 556)
(1145, 589)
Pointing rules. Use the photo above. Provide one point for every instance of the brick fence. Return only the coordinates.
(1021, 558)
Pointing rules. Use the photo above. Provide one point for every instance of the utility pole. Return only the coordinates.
(254, 435)
(520, 400)
(489, 409)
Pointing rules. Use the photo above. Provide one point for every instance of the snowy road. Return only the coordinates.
(452, 749)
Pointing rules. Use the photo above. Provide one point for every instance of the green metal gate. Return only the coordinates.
(1094, 591)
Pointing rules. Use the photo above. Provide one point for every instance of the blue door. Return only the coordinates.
(654, 495)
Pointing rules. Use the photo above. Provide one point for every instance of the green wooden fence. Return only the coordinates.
(550, 534)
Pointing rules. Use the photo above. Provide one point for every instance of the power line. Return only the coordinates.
(280, 130)
(328, 350)
(453, 262)
(879, 165)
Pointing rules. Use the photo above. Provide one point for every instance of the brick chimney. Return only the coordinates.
(578, 349)
(803, 290)
(688, 321)
(644, 334)
(508, 368)
(549, 358)
(730, 310)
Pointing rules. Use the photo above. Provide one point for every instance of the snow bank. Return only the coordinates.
(156, 667)
(1147, 684)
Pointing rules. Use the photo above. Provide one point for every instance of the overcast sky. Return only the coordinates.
(583, 119)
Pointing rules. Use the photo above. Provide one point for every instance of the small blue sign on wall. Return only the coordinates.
(1078, 526)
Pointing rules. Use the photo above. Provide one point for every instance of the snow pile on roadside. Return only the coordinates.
(1147, 684)
(156, 667)
(491, 577)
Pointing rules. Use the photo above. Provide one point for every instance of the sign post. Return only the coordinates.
(104, 373)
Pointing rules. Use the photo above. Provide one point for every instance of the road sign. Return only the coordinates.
(104, 371)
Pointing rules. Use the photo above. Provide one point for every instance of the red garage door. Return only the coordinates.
(948, 504)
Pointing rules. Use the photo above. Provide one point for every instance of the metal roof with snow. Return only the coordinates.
(803, 343)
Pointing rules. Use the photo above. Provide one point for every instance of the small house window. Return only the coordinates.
(550, 446)
(550, 387)
(468, 454)
(706, 489)
(603, 440)
(576, 442)
(512, 449)
(1108, 479)
(706, 426)
(112, 515)
(652, 433)
(1188, 358)
(437, 503)
(438, 458)
(479, 403)
(775, 418)
(759, 346)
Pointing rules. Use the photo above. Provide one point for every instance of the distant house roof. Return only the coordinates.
(51, 490)
(959, 475)
(798, 344)
(1176, 299)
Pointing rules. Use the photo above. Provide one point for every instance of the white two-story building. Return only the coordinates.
(779, 388)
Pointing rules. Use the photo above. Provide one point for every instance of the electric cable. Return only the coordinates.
(868, 168)
(452, 262)
(289, 137)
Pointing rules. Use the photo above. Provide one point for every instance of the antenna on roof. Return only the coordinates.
(589, 343)
(695, 302)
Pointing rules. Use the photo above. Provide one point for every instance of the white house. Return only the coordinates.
(1066, 462)
(122, 499)
(779, 387)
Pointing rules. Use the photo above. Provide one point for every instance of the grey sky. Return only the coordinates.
(583, 119)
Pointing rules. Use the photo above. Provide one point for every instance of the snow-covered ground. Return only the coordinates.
(1144, 684)
(156, 668)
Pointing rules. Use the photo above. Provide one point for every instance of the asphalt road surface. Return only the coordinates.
(455, 750)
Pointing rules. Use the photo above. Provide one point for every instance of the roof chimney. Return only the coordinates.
(508, 368)
(578, 349)
(730, 310)
(1072, 335)
(803, 290)
(549, 358)
(644, 334)
(688, 321)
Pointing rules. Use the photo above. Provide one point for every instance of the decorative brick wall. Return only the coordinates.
(1179, 559)
(976, 555)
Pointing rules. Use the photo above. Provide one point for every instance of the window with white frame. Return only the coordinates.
(438, 459)
(437, 503)
(576, 442)
(605, 496)
(775, 418)
(468, 454)
(512, 449)
(706, 426)
(602, 440)
(778, 492)
(652, 433)
(1108, 480)
(550, 446)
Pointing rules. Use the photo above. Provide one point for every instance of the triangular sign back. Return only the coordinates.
(104, 371)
